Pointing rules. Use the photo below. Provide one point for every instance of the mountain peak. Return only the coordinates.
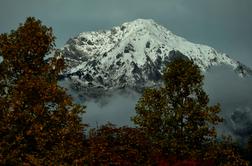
(133, 55)
(141, 21)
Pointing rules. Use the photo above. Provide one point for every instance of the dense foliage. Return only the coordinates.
(177, 117)
(39, 124)
(120, 146)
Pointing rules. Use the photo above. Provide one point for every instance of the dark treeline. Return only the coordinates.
(41, 125)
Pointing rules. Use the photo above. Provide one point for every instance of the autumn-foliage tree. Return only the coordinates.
(227, 153)
(177, 116)
(247, 150)
(39, 123)
(109, 145)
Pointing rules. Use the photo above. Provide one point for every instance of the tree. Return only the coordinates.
(177, 116)
(39, 123)
(226, 153)
(109, 145)
(248, 149)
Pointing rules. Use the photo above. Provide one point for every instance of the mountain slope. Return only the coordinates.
(132, 55)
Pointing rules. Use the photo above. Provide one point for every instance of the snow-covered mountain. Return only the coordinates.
(133, 56)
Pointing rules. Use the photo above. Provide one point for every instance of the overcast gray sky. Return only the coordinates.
(223, 24)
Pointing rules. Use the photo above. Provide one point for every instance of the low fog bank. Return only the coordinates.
(117, 107)
(221, 84)
(235, 96)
